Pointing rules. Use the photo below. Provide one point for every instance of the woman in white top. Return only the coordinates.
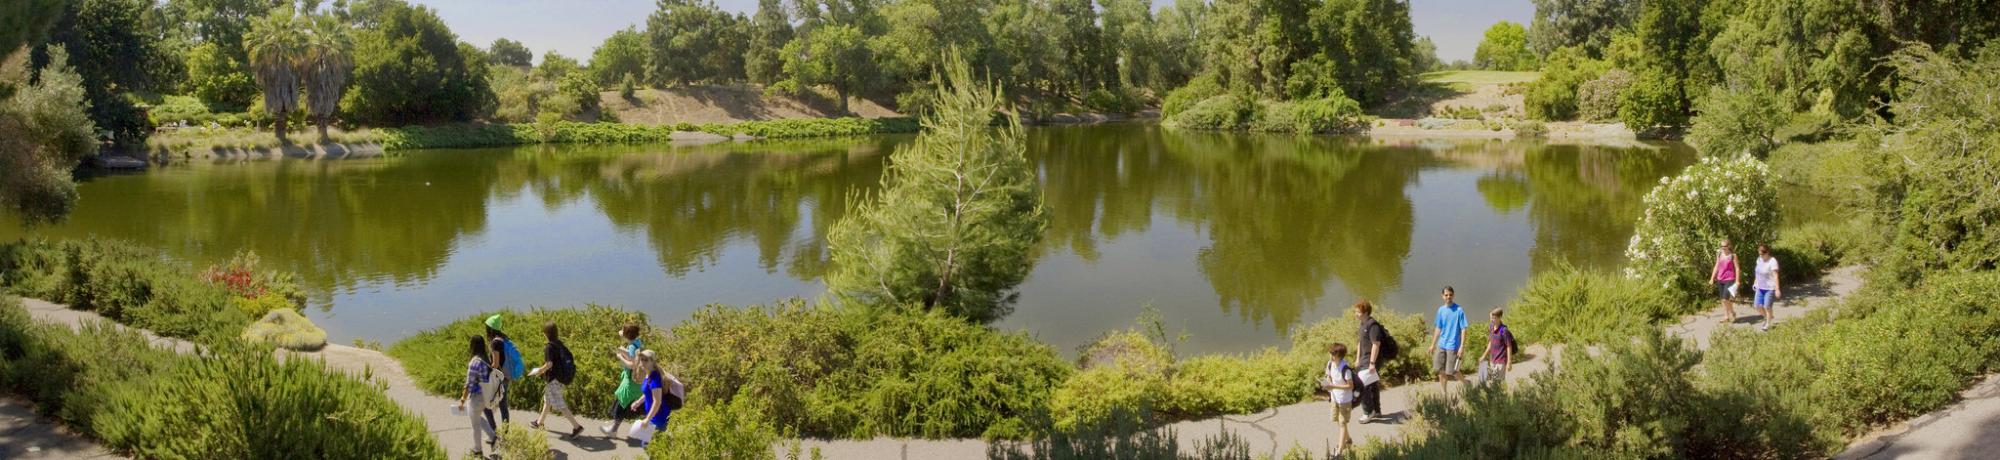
(1766, 285)
(1339, 382)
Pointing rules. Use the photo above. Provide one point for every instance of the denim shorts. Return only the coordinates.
(1722, 289)
(1764, 298)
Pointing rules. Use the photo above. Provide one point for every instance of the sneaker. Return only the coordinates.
(606, 429)
(1764, 327)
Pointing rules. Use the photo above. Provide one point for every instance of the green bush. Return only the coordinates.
(1530, 128)
(1568, 305)
(174, 109)
(1688, 216)
(1808, 251)
(856, 372)
(1553, 97)
(1937, 164)
(227, 402)
(123, 282)
(286, 328)
(1199, 89)
(737, 430)
(1121, 100)
(1739, 120)
(1841, 171)
(1635, 400)
(436, 358)
(1123, 382)
(518, 443)
(1221, 112)
(1597, 100)
(1331, 114)
(1652, 103)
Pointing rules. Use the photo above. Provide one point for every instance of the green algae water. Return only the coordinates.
(1234, 238)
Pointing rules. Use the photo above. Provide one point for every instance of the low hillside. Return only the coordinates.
(727, 104)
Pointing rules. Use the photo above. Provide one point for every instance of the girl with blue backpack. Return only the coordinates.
(507, 358)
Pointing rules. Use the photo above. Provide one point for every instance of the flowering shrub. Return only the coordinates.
(254, 292)
(1688, 216)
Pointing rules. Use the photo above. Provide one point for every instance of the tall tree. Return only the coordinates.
(834, 55)
(690, 42)
(326, 64)
(1586, 24)
(108, 46)
(1505, 47)
(622, 55)
(277, 44)
(410, 68)
(44, 132)
(510, 53)
(955, 225)
(1128, 35)
(770, 30)
(1178, 33)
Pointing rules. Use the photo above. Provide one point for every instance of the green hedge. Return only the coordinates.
(228, 402)
(858, 373)
(1568, 305)
(436, 358)
(568, 132)
(123, 282)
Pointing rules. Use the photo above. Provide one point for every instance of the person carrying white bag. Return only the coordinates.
(481, 391)
(663, 393)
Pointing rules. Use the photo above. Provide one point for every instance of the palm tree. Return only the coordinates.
(327, 62)
(276, 45)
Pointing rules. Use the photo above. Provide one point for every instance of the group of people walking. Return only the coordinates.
(646, 393)
(1357, 382)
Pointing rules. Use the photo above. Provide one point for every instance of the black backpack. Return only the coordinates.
(1390, 349)
(565, 368)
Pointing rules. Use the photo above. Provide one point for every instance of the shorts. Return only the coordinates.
(1492, 372)
(552, 395)
(1763, 298)
(1343, 413)
(1722, 289)
(1445, 362)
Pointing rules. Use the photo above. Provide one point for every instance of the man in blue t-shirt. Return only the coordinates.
(1447, 340)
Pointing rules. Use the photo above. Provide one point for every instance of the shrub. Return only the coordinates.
(1842, 171)
(1687, 217)
(1568, 305)
(1909, 353)
(175, 109)
(518, 443)
(436, 358)
(286, 328)
(1806, 252)
(228, 402)
(124, 283)
(255, 292)
(1739, 121)
(736, 430)
(1218, 112)
(1330, 114)
(1530, 128)
(1200, 88)
(1937, 164)
(858, 372)
(1597, 100)
(1652, 103)
(1553, 97)
(1635, 400)
(1122, 384)
(1121, 100)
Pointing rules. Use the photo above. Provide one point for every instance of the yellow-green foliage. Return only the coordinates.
(855, 372)
(229, 402)
(1569, 305)
(570, 132)
(1124, 380)
(518, 443)
(436, 358)
(738, 430)
(286, 328)
(123, 282)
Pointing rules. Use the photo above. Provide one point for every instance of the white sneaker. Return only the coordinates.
(606, 429)
(1764, 327)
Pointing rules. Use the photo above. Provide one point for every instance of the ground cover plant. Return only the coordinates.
(142, 288)
(224, 401)
(436, 358)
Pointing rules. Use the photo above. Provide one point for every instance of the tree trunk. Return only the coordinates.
(842, 91)
(322, 128)
(280, 129)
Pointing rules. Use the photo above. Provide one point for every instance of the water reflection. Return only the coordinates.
(1235, 237)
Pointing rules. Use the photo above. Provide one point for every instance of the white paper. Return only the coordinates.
(1368, 377)
(642, 431)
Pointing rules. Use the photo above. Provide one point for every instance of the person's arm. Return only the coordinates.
(623, 357)
(1777, 280)
(657, 404)
(1374, 352)
(1507, 353)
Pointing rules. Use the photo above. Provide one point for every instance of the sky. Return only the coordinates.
(575, 27)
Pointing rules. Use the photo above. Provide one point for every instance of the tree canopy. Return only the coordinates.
(510, 53)
(1505, 47)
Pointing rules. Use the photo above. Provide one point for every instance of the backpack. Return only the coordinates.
(489, 390)
(1390, 349)
(1513, 346)
(565, 365)
(514, 367)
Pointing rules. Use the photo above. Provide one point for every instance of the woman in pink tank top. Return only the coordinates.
(1724, 277)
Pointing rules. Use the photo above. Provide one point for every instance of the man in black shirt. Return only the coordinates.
(1370, 337)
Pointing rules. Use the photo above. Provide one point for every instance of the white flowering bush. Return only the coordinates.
(1688, 216)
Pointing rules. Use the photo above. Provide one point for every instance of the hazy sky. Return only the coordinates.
(575, 27)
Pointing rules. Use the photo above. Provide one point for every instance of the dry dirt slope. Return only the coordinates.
(726, 103)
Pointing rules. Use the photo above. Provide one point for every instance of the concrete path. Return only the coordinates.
(1303, 424)
(27, 436)
(1967, 430)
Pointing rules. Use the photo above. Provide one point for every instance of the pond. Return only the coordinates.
(1234, 238)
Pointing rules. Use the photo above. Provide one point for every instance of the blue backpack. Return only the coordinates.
(515, 369)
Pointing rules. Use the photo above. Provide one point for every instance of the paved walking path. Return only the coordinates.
(1967, 430)
(25, 435)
